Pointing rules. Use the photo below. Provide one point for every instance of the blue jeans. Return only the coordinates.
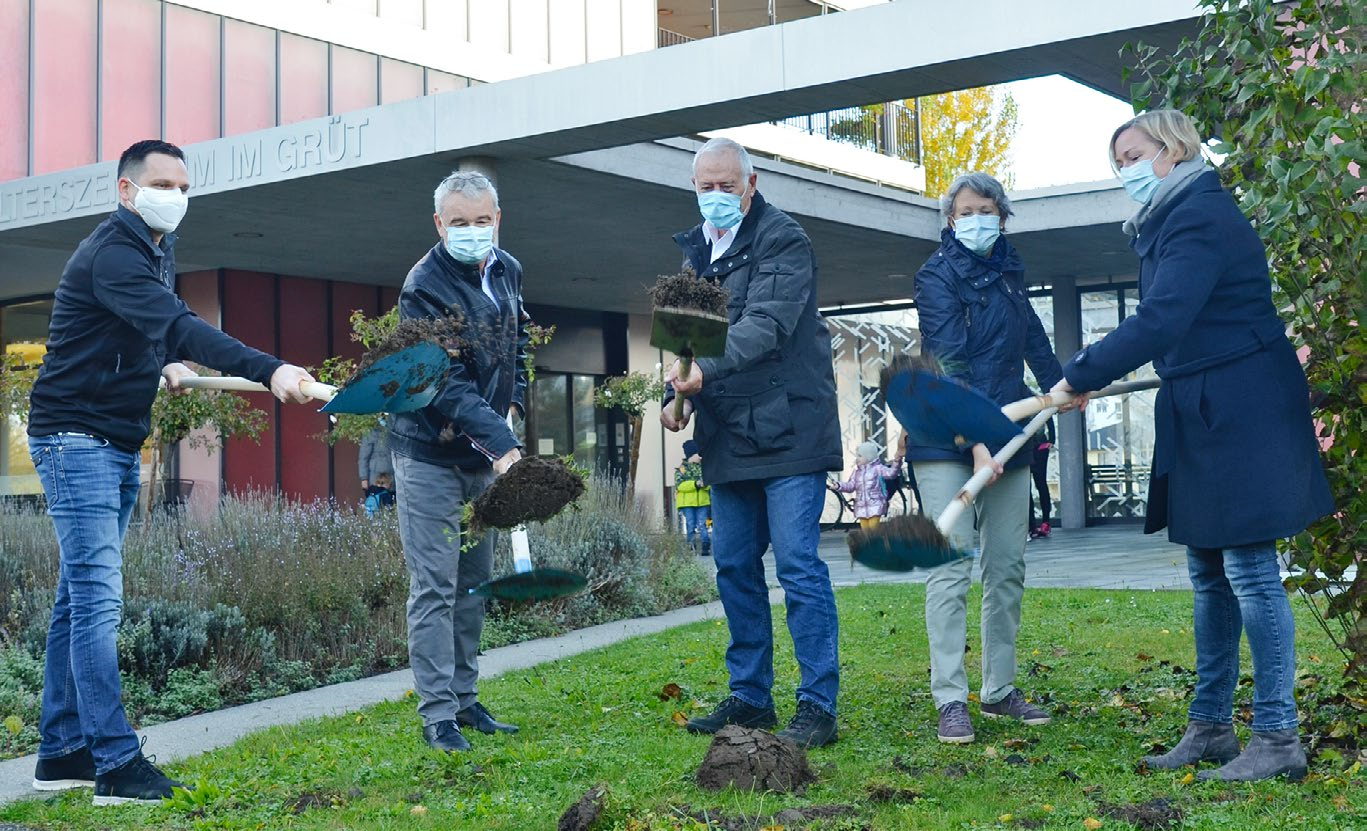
(748, 517)
(91, 490)
(695, 520)
(1240, 589)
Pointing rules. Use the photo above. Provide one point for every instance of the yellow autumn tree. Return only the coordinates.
(964, 131)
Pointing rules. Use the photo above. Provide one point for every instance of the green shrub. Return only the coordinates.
(21, 686)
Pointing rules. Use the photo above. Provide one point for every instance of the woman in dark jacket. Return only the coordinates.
(975, 317)
(1236, 465)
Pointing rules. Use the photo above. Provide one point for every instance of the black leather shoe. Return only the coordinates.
(810, 727)
(479, 717)
(445, 735)
(60, 773)
(733, 711)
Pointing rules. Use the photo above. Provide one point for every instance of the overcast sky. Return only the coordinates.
(1063, 131)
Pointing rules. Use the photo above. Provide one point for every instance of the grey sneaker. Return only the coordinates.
(1015, 706)
(955, 725)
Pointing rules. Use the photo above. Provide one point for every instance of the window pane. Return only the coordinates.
(192, 73)
(303, 78)
(353, 79)
(585, 432)
(130, 75)
(552, 427)
(14, 88)
(399, 81)
(64, 42)
(438, 81)
(23, 332)
(249, 87)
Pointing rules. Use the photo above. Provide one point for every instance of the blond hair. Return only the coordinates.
(1173, 129)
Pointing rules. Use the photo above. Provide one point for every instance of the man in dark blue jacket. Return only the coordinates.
(448, 452)
(117, 328)
(769, 431)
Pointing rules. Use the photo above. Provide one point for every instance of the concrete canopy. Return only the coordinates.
(592, 225)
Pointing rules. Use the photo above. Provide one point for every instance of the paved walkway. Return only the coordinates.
(1115, 557)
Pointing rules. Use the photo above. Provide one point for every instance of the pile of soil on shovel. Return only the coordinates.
(917, 530)
(444, 331)
(583, 814)
(533, 490)
(753, 760)
(686, 290)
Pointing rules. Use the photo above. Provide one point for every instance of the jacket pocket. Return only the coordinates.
(758, 424)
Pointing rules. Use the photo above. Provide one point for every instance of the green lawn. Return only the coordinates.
(1111, 664)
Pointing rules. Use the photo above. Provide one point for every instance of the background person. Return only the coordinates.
(117, 328)
(976, 318)
(1236, 465)
(694, 499)
(768, 429)
(1039, 474)
(373, 456)
(869, 484)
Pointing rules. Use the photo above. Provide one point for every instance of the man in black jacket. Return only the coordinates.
(117, 328)
(448, 452)
(769, 431)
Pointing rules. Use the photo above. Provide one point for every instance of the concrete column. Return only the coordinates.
(1072, 430)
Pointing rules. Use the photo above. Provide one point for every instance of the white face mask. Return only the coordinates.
(978, 232)
(162, 210)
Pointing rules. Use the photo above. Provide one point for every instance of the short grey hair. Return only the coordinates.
(980, 183)
(719, 145)
(469, 183)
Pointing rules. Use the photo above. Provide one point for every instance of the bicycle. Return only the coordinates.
(838, 510)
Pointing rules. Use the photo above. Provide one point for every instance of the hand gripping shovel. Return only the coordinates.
(910, 542)
(400, 382)
(526, 582)
(689, 320)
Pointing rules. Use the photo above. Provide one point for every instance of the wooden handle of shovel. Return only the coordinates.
(1018, 410)
(313, 389)
(686, 368)
(979, 480)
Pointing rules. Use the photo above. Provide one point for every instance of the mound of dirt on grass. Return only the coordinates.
(753, 760)
(1154, 815)
(687, 290)
(583, 814)
(533, 490)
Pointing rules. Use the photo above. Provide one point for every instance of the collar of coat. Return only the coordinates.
(473, 274)
(976, 270)
(698, 248)
(1207, 182)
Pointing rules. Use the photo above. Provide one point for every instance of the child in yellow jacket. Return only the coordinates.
(693, 499)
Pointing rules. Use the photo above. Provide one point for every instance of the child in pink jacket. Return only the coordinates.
(867, 485)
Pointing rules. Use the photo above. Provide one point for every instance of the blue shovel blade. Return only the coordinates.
(537, 584)
(893, 553)
(404, 381)
(935, 410)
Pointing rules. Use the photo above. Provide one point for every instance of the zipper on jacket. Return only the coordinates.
(118, 362)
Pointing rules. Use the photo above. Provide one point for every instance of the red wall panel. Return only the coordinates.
(389, 298)
(354, 80)
(249, 82)
(14, 89)
(250, 315)
(192, 75)
(399, 81)
(303, 340)
(64, 45)
(347, 298)
(130, 74)
(303, 78)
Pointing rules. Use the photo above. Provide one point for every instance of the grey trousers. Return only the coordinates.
(444, 619)
(1003, 514)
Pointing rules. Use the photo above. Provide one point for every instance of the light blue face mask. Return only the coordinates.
(470, 244)
(721, 209)
(1140, 181)
(978, 232)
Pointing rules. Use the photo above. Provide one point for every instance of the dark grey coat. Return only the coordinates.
(767, 407)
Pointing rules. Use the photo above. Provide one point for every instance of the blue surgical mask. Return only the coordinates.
(1140, 181)
(720, 208)
(978, 232)
(470, 244)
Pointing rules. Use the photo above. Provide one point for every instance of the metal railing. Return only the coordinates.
(665, 37)
(889, 128)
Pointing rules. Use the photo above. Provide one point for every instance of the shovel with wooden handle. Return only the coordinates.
(688, 333)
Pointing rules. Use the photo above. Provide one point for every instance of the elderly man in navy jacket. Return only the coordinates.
(448, 452)
(769, 431)
(117, 328)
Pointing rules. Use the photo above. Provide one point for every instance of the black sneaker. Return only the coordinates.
(733, 711)
(445, 735)
(137, 780)
(63, 773)
(479, 717)
(811, 726)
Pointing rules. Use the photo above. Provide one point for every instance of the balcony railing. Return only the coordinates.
(890, 129)
(664, 38)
